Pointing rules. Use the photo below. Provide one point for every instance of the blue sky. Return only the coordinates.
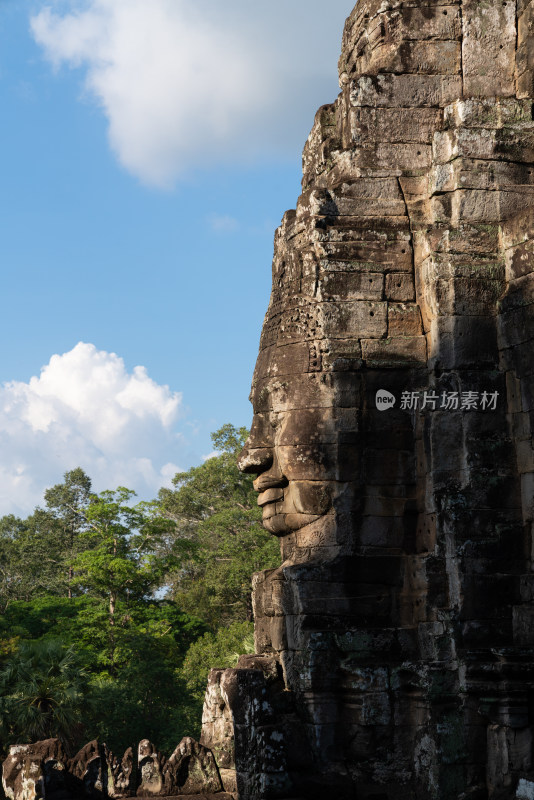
(148, 152)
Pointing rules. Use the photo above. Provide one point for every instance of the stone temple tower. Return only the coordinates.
(392, 437)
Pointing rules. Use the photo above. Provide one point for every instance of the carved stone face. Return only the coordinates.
(301, 417)
(328, 313)
(294, 463)
(343, 309)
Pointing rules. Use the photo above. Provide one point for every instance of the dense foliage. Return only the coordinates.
(111, 612)
(218, 525)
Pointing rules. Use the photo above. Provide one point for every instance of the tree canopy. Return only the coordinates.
(214, 507)
(112, 611)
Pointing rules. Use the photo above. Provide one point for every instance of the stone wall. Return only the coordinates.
(400, 619)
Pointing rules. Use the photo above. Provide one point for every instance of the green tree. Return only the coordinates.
(42, 693)
(147, 698)
(214, 507)
(66, 503)
(31, 558)
(122, 563)
(146, 695)
(131, 590)
(10, 562)
(36, 554)
(216, 650)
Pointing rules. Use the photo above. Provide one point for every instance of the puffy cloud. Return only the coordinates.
(85, 409)
(185, 83)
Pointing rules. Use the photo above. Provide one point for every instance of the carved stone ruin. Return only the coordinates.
(43, 770)
(397, 636)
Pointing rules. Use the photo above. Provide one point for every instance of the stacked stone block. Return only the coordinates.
(401, 615)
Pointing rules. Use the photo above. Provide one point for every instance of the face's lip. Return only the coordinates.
(270, 496)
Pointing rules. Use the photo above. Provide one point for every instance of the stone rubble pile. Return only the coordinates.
(43, 770)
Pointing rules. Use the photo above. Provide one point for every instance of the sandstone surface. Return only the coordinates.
(43, 770)
(401, 619)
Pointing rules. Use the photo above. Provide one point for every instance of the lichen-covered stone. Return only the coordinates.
(42, 770)
(121, 775)
(191, 769)
(150, 770)
(89, 768)
(36, 771)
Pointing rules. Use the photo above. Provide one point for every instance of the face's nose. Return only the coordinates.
(254, 459)
(257, 454)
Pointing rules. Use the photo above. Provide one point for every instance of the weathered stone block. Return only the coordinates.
(352, 286)
(400, 287)
(464, 341)
(217, 721)
(22, 778)
(36, 771)
(397, 125)
(385, 156)
(488, 49)
(395, 351)
(405, 90)
(404, 319)
(492, 113)
(121, 775)
(191, 769)
(520, 260)
(434, 57)
(151, 779)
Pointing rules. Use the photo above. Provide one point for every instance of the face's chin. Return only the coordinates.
(284, 524)
(275, 523)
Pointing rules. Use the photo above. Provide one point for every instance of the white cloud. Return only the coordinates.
(190, 83)
(86, 410)
(223, 223)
